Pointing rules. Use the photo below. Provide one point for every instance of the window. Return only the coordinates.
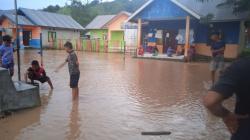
(51, 36)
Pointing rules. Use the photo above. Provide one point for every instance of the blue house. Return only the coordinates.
(192, 20)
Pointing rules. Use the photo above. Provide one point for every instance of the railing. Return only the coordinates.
(93, 45)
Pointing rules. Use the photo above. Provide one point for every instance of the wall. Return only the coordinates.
(61, 34)
(7, 24)
(231, 51)
(35, 38)
(116, 25)
(98, 33)
(117, 36)
(130, 36)
(11, 30)
(161, 9)
(230, 30)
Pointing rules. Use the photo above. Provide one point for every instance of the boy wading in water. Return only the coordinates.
(217, 49)
(73, 66)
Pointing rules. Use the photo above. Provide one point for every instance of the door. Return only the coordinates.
(26, 38)
(169, 40)
(117, 38)
(1, 37)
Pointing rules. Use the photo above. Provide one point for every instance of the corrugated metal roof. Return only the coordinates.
(7, 11)
(21, 19)
(117, 16)
(46, 19)
(99, 21)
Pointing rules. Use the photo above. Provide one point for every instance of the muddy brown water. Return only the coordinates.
(118, 100)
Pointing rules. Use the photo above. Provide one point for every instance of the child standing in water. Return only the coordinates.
(6, 55)
(73, 66)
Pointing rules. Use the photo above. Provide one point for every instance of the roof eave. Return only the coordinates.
(115, 18)
(62, 28)
(139, 10)
(186, 9)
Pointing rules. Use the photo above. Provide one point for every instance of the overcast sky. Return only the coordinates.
(32, 4)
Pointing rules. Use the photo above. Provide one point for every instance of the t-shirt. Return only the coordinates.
(236, 80)
(6, 54)
(39, 73)
(72, 63)
(217, 46)
(180, 39)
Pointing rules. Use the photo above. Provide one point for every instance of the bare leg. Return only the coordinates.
(50, 84)
(213, 77)
(75, 93)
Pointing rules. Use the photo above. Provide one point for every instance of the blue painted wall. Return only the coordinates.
(35, 43)
(230, 30)
(161, 9)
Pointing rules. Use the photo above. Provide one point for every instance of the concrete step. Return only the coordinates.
(16, 95)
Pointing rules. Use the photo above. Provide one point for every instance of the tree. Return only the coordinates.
(238, 5)
(51, 8)
(83, 11)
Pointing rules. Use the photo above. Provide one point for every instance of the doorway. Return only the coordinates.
(26, 38)
(169, 39)
(1, 37)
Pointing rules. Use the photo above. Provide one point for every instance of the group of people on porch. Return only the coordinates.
(169, 42)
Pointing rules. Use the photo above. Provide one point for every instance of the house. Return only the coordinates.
(52, 27)
(108, 28)
(165, 19)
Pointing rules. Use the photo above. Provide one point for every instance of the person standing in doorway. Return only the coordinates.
(73, 66)
(217, 50)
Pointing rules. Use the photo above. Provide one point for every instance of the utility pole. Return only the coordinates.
(17, 44)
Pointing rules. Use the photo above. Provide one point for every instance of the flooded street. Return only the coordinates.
(118, 100)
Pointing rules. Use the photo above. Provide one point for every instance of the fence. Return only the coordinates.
(93, 45)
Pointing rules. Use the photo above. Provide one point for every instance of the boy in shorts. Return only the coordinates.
(73, 66)
(35, 72)
(217, 49)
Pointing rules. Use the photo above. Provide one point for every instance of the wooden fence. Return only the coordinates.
(93, 45)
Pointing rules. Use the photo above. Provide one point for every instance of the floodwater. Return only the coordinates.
(119, 98)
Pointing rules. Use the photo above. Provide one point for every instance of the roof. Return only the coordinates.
(41, 18)
(21, 19)
(99, 21)
(7, 12)
(117, 16)
(202, 9)
(140, 9)
(47, 19)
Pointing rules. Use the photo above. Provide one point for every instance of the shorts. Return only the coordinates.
(10, 67)
(217, 63)
(74, 79)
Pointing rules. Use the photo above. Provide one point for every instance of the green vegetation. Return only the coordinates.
(83, 11)
(238, 5)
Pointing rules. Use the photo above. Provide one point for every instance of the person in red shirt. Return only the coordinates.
(35, 72)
